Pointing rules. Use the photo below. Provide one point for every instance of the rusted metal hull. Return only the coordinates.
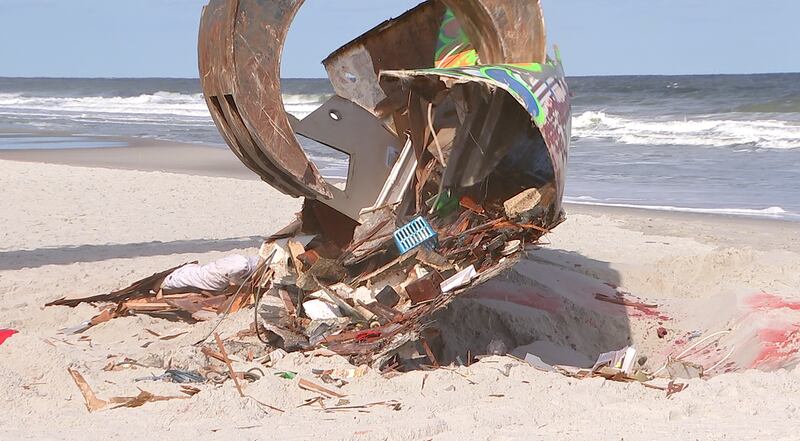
(240, 57)
(240, 48)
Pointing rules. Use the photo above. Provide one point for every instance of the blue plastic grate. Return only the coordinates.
(415, 233)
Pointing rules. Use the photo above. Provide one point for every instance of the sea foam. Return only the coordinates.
(764, 134)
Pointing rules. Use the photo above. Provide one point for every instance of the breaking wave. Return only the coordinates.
(190, 108)
(159, 103)
(304, 104)
(763, 134)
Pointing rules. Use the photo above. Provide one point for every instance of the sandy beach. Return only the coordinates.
(87, 221)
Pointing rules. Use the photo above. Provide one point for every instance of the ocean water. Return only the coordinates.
(717, 144)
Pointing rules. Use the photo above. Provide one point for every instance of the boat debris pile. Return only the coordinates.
(456, 124)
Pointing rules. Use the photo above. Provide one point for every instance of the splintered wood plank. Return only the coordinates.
(148, 306)
(312, 387)
(188, 304)
(213, 303)
(382, 311)
(429, 353)
(93, 404)
(137, 289)
(296, 249)
(229, 364)
(210, 353)
(287, 301)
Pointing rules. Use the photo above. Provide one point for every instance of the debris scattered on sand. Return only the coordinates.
(95, 404)
(458, 162)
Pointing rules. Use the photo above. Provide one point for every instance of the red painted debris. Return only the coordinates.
(5, 334)
(644, 308)
(662, 332)
(518, 295)
(764, 301)
(366, 336)
(779, 347)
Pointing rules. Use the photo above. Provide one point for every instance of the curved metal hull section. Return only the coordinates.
(240, 48)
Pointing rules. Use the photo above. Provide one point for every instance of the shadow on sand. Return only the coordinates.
(19, 259)
(545, 305)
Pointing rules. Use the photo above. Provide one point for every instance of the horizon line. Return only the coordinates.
(324, 78)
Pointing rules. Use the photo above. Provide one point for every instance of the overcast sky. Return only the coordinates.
(157, 38)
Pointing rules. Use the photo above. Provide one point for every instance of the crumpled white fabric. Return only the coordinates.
(215, 276)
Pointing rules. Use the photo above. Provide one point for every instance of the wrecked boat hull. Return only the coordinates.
(457, 127)
(240, 50)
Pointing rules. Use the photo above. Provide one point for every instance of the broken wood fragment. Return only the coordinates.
(296, 249)
(143, 398)
(93, 404)
(140, 288)
(312, 387)
(287, 301)
(429, 353)
(624, 302)
(208, 352)
(228, 363)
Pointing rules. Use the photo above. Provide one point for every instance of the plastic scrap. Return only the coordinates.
(5, 334)
(623, 360)
(416, 233)
(286, 375)
(319, 310)
(215, 276)
(538, 363)
(176, 376)
(463, 278)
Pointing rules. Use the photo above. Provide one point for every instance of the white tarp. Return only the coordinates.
(215, 276)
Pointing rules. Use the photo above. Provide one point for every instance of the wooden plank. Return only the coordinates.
(382, 311)
(429, 353)
(148, 307)
(287, 301)
(237, 302)
(108, 314)
(212, 354)
(296, 249)
(93, 404)
(228, 363)
(137, 289)
(213, 303)
(309, 386)
(190, 305)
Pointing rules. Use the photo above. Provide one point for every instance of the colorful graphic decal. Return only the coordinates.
(520, 80)
(540, 88)
(454, 48)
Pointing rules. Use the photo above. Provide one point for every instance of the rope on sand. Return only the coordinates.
(696, 344)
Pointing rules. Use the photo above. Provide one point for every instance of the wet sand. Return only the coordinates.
(124, 154)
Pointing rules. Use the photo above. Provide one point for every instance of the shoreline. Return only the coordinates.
(138, 154)
(155, 155)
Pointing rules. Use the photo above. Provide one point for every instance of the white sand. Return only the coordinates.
(77, 231)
